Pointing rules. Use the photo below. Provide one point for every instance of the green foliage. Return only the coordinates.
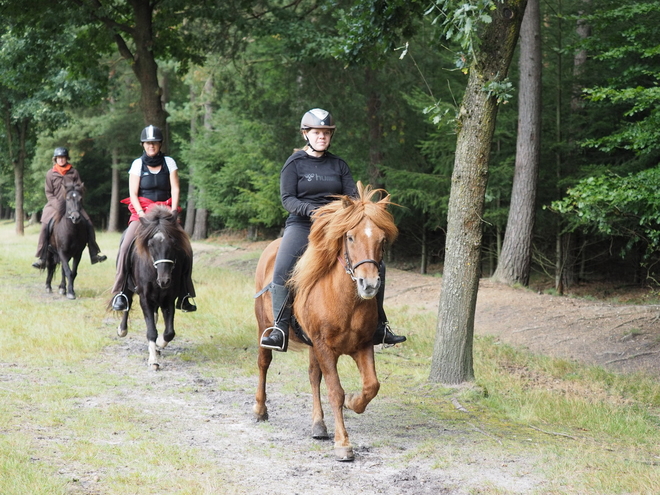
(617, 206)
(625, 50)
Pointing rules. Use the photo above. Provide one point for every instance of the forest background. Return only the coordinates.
(233, 80)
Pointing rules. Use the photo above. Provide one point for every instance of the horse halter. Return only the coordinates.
(349, 266)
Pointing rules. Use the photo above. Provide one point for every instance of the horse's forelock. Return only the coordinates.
(330, 223)
(161, 219)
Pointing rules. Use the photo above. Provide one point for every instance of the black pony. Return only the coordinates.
(157, 261)
(67, 239)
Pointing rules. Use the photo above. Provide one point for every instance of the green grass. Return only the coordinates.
(582, 429)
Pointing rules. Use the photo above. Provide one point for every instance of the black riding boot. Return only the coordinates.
(384, 334)
(95, 255)
(278, 338)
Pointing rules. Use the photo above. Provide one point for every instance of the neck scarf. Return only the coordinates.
(62, 170)
(153, 161)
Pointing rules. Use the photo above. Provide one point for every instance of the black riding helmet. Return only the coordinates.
(60, 152)
(150, 134)
(317, 118)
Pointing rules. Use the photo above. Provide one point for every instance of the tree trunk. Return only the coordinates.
(139, 55)
(190, 198)
(19, 171)
(113, 216)
(375, 130)
(452, 353)
(201, 216)
(515, 261)
(201, 228)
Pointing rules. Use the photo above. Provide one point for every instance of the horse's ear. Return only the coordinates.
(346, 202)
(143, 221)
(175, 215)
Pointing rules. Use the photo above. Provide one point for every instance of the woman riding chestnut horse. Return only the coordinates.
(311, 178)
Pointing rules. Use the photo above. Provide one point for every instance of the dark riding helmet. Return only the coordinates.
(150, 134)
(317, 118)
(60, 152)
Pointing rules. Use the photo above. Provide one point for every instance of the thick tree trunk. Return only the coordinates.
(515, 261)
(201, 228)
(452, 353)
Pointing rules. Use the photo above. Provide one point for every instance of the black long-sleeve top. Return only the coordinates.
(308, 182)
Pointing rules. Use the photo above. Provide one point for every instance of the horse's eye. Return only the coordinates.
(349, 238)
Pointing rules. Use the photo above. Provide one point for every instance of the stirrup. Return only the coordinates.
(191, 303)
(117, 298)
(398, 339)
(285, 339)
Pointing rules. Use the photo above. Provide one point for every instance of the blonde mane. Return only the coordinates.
(326, 238)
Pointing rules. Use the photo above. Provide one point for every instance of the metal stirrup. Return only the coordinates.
(121, 294)
(274, 347)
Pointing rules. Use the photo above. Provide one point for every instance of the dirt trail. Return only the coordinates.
(280, 457)
(623, 338)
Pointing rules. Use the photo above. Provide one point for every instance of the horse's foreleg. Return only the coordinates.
(264, 358)
(66, 287)
(319, 429)
(328, 365)
(152, 333)
(71, 294)
(122, 330)
(370, 385)
(168, 317)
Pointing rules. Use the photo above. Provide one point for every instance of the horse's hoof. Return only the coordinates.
(160, 342)
(319, 431)
(71, 296)
(60, 292)
(344, 454)
(49, 290)
(155, 366)
(122, 332)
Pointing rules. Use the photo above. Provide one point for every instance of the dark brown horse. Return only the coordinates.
(335, 283)
(159, 257)
(67, 239)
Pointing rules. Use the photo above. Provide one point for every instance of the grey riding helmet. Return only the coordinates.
(317, 118)
(151, 134)
(60, 152)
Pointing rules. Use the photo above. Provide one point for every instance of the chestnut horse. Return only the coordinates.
(335, 283)
(157, 260)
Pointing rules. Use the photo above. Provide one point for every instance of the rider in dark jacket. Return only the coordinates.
(61, 173)
(310, 178)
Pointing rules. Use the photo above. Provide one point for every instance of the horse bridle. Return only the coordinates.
(164, 260)
(70, 212)
(349, 266)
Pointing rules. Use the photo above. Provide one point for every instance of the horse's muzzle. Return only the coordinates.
(367, 287)
(74, 217)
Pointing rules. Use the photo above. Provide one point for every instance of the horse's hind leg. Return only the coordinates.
(365, 362)
(319, 429)
(264, 358)
(50, 267)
